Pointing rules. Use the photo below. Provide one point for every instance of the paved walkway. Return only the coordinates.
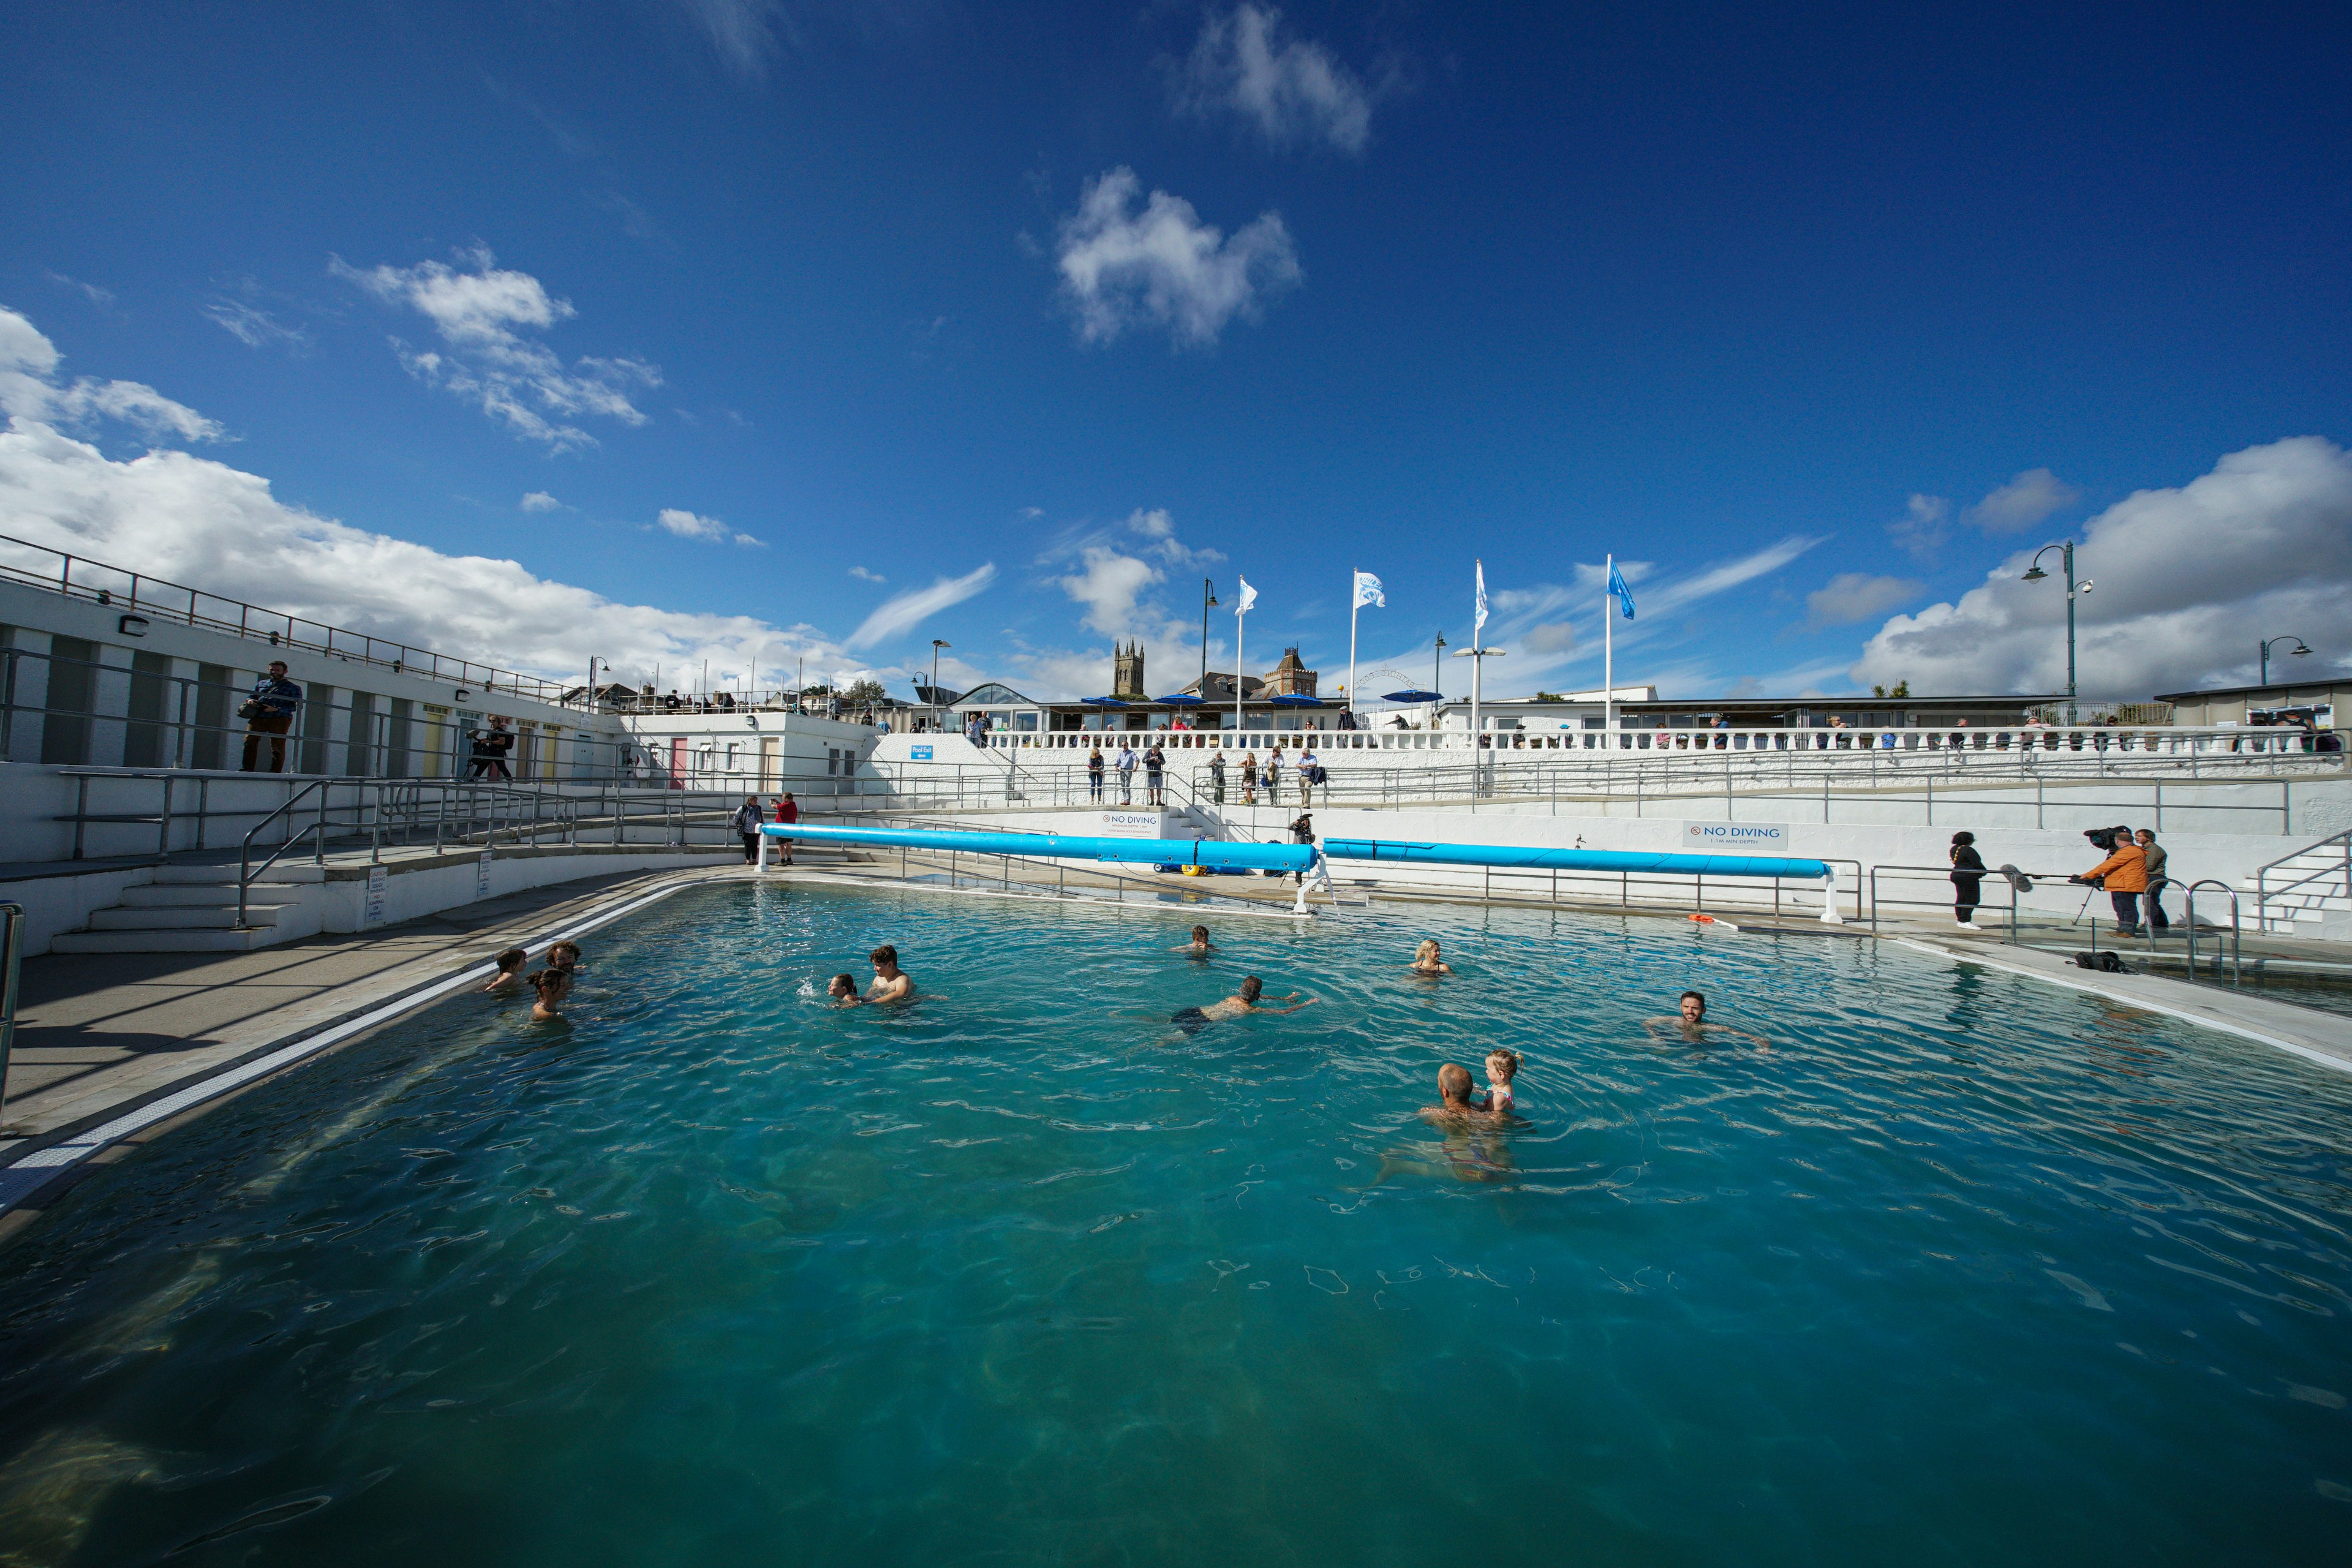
(97, 1034)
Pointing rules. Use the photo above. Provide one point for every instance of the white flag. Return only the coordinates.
(1368, 591)
(1478, 631)
(1249, 597)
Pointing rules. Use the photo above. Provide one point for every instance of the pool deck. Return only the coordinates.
(106, 1041)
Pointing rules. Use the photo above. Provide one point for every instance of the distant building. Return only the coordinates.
(1290, 678)
(2282, 702)
(1126, 673)
(1217, 688)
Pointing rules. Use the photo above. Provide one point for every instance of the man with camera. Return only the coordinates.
(2124, 874)
(269, 711)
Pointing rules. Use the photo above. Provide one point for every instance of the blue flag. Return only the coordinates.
(1617, 586)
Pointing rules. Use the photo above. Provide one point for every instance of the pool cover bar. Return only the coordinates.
(1309, 862)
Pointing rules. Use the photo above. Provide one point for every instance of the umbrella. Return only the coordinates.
(1294, 701)
(1180, 699)
(1413, 697)
(1101, 702)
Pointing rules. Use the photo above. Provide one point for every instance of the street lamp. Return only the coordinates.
(2034, 573)
(2295, 652)
(1208, 602)
(937, 643)
(1437, 667)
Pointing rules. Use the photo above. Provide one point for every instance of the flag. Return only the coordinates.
(1367, 591)
(1479, 630)
(1617, 586)
(1249, 597)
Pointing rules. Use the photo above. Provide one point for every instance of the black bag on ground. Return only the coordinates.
(2106, 963)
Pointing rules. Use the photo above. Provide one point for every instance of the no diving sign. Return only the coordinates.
(1750, 838)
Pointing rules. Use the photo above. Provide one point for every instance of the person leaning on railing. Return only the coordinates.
(269, 711)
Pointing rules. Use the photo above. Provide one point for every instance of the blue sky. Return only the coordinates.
(1821, 316)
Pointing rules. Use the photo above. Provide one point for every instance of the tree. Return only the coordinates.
(1901, 689)
(868, 691)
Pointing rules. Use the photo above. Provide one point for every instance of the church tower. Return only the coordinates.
(1126, 672)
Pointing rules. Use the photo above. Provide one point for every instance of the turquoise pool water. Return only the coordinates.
(1961, 1270)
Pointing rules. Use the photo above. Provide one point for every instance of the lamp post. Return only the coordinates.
(2034, 573)
(1437, 672)
(1477, 671)
(2295, 652)
(1208, 602)
(937, 643)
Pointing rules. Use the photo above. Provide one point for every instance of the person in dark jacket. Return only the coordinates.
(746, 822)
(490, 748)
(270, 713)
(2153, 854)
(1968, 876)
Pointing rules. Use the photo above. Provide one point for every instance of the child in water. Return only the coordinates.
(844, 991)
(509, 975)
(1502, 1066)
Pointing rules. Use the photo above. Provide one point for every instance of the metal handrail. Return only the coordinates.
(2237, 965)
(247, 870)
(2262, 875)
(11, 945)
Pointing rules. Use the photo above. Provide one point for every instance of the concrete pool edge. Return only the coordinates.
(2324, 1039)
(38, 1165)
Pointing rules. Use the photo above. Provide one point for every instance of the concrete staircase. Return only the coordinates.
(2309, 892)
(191, 909)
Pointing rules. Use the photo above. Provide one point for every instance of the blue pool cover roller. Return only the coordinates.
(1526, 857)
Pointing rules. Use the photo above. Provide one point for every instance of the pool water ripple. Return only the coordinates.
(1959, 1269)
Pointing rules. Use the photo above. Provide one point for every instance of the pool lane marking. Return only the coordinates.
(911, 885)
(55, 1157)
(2224, 1024)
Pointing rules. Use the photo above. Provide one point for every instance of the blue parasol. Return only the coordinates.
(1413, 697)
(1180, 699)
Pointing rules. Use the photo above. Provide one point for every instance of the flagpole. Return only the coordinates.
(1237, 673)
(1608, 658)
(1354, 608)
(1477, 670)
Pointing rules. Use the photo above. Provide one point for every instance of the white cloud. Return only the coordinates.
(901, 613)
(2024, 501)
(2187, 580)
(689, 525)
(1551, 636)
(1851, 597)
(254, 327)
(101, 297)
(540, 500)
(1159, 527)
(476, 309)
(1293, 90)
(1108, 586)
(1922, 529)
(862, 575)
(743, 32)
(29, 389)
(1162, 267)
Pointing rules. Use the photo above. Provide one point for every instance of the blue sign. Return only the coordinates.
(922, 754)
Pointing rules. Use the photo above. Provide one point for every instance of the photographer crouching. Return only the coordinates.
(2123, 874)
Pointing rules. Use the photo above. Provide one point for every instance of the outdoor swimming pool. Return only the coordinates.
(1964, 1270)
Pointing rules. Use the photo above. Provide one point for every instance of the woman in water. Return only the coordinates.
(550, 987)
(1427, 964)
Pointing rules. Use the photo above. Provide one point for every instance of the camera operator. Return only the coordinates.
(2124, 874)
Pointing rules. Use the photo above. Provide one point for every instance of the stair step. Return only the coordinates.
(208, 917)
(163, 940)
(181, 875)
(186, 894)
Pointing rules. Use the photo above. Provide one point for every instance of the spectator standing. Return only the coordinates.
(747, 825)
(490, 748)
(1274, 775)
(1217, 776)
(1310, 774)
(787, 810)
(2153, 853)
(269, 711)
(1126, 773)
(1155, 766)
(1095, 774)
(1249, 778)
(1968, 876)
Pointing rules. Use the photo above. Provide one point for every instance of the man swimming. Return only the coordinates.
(1453, 1107)
(1691, 1025)
(1198, 946)
(1192, 1020)
(891, 983)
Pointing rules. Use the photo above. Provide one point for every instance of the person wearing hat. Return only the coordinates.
(1968, 876)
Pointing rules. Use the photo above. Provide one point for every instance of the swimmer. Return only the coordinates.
(1502, 1066)
(844, 991)
(509, 979)
(1691, 1025)
(1453, 1096)
(1192, 1020)
(1198, 946)
(565, 955)
(551, 986)
(891, 985)
(1426, 964)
